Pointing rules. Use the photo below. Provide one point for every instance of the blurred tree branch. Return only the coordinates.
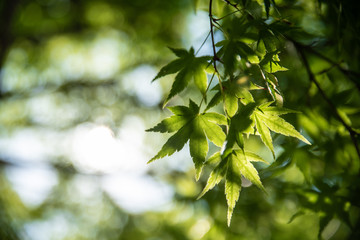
(352, 133)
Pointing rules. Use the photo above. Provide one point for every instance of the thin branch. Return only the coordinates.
(215, 57)
(218, 26)
(312, 78)
(202, 43)
(235, 5)
(207, 89)
(229, 14)
(346, 72)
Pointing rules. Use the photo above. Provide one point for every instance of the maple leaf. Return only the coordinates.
(231, 50)
(190, 125)
(271, 63)
(241, 123)
(233, 92)
(267, 118)
(188, 67)
(231, 166)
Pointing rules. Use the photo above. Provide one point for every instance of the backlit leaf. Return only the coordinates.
(264, 133)
(252, 157)
(214, 133)
(231, 104)
(198, 146)
(279, 125)
(216, 175)
(193, 126)
(188, 67)
(175, 143)
(267, 118)
(247, 169)
(232, 185)
(170, 124)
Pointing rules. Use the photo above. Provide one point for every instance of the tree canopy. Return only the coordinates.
(253, 104)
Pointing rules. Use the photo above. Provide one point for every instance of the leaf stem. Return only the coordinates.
(218, 19)
(202, 99)
(202, 44)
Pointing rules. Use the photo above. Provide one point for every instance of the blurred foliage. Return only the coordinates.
(66, 64)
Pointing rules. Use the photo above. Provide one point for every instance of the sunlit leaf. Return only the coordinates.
(198, 145)
(264, 132)
(188, 67)
(267, 118)
(216, 175)
(232, 185)
(279, 125)
(247, 169)
(193, 126)
(216, 99)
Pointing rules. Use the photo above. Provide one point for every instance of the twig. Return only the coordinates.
(232, 4)
(207, 89)
(202, 43)
(346, 72)
(218, 19)
(312, 78)
(215, 57)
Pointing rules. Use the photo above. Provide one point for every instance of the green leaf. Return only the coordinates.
(268, 38)
(277, 111)
(181, 110)
(190, 125)
(264, 133)
(170, 68)
(215, 118)
(246, 52)
(271, 64)
(231, 104)
(188, 67)
(272, 84)
(175, 143)
(216, 99)
(279, 125)
(198, 146)
(238, 165)
(213, 132)
(240, 139)
(244, 95)
(182, 79)
(228, 56)
(267, 118)
(179, 52)
(247, 169)
(170, 124)
(214, 159)
(216, 175)
(241, 123)
(231, 165)
(232, 185)
(252, 157)
(230, 52)
(200, 79)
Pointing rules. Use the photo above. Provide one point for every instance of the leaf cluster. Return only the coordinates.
(244, 63)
